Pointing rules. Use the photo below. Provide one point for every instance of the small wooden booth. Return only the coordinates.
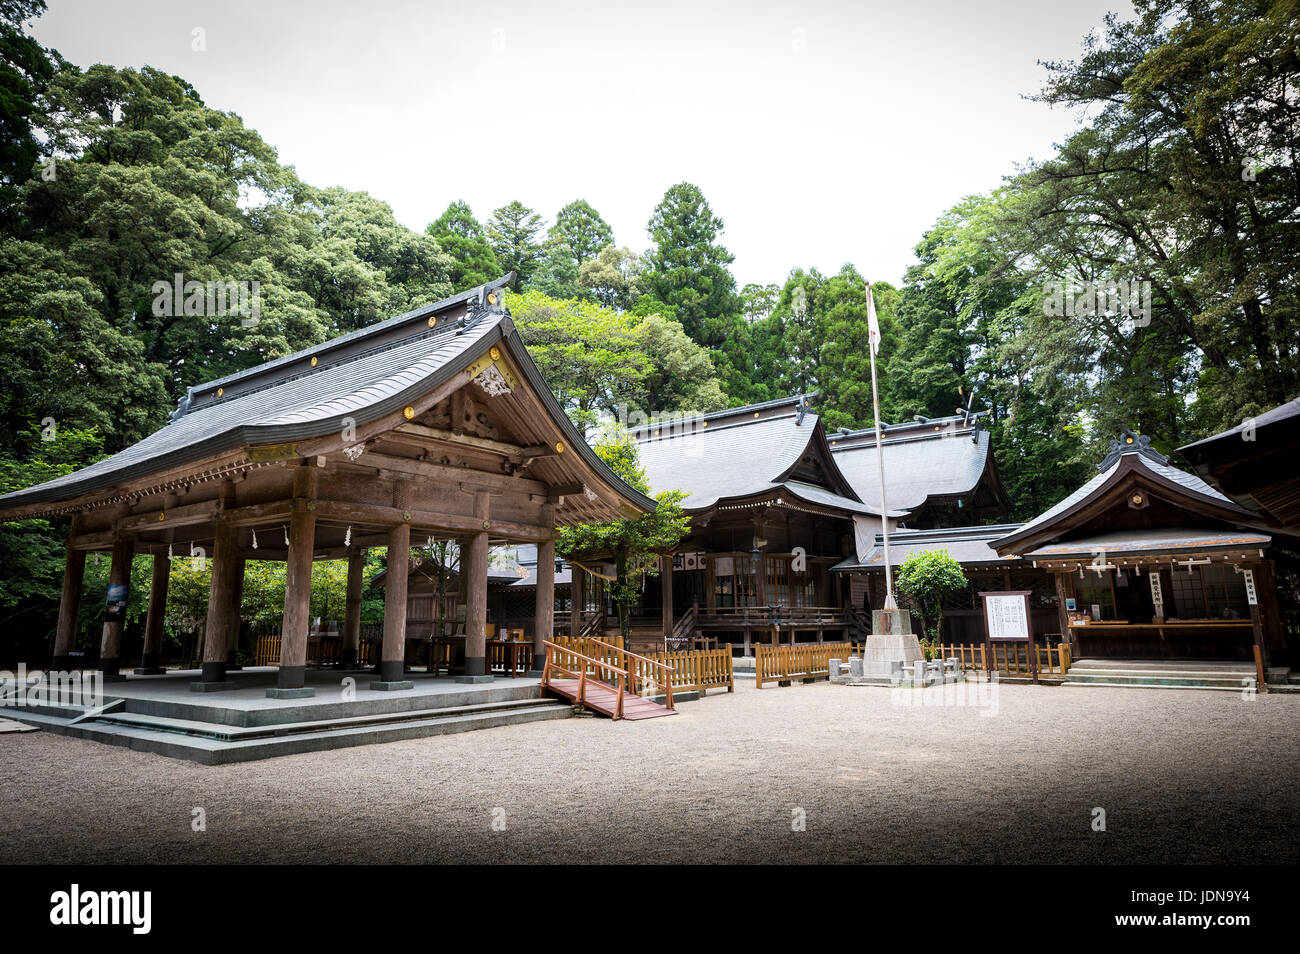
(1151, 562)
(432, 425)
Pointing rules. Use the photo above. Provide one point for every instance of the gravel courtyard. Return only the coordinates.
(1183, 776)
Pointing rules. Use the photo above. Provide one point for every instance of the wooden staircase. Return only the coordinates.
(606, 685)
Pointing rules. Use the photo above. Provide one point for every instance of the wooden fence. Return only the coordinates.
(787, 663)
(1010, 658)
(698, 669)
(320, 652)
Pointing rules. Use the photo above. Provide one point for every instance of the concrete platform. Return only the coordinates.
(161, 714)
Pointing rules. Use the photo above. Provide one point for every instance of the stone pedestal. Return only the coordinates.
(891, 640)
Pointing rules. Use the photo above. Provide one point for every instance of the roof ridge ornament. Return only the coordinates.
(803, 409)
(1131, 443)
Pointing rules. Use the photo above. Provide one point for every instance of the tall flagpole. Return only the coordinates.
(873, 327)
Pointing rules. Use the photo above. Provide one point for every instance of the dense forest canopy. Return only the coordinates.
(1143, 275)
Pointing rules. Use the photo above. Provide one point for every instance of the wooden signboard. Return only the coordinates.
(1007, 619)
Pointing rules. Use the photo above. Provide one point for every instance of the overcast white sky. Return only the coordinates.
(821, 132)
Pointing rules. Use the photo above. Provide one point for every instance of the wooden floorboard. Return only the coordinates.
(604, 699)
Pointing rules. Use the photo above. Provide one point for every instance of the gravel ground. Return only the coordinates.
(1183, 776)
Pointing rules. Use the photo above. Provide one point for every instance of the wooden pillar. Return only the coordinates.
(292, 680)
(544, 607)
(237, 605)
(711, 583)
(352, 615)
(221, 605)
(74, 574)
(577, 598)
(1257, 621)
(474, 562)
(1062, 614)
(392, 658)
(119, 585)
(151, 657)
(666, 581)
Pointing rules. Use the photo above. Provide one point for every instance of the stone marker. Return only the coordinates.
(891, 640)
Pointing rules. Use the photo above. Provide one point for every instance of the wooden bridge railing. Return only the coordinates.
(786, 663)
(585, 667)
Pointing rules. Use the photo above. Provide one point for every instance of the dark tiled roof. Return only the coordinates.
(360, 377)
(1146, 541)
(1188, 481)
(934, 458)
(741, 452)
(1282, 412)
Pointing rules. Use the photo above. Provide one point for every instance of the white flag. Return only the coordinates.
(873, 325)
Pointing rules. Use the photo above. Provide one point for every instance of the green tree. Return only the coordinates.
(462, 237)
(927, 578)
(579, 228)
(512, 230)
(592, 356)
(26, 68)
(687, 268)
(613, 277)
(681, 377)
(556, 275)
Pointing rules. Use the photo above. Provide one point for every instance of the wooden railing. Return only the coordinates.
(860, 621)
(700, 669)
(642, 669)
(499, 657)
(589, 646)
(586, 667)
(786, 663)
(1010, 658)
(680, 637)
(797, 617)
(968, 657)
(320, 652)
(593, 626)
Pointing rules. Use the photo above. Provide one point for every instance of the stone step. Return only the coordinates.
(1156, 685)
(209, 750)
(1220, 680)
(1197, 673)
(232, 733)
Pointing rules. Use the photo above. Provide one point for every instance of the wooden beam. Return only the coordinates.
(451, 475)
(162, 518)
(428, 520)
(481, 443)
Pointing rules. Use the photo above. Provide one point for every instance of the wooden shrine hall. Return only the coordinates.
(1151, 562)
(434, 424)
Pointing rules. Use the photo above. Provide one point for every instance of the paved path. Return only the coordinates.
(1183, 776)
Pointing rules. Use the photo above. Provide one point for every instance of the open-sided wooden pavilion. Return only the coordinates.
(435, 423)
